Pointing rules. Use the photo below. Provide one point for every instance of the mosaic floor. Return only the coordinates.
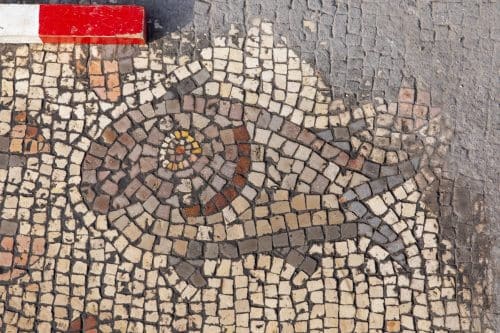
(227, 191)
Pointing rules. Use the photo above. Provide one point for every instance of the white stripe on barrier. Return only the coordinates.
(19, 23)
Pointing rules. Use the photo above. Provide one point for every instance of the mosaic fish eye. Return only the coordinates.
(179, 150)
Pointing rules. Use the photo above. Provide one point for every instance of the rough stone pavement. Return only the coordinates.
(373, 47)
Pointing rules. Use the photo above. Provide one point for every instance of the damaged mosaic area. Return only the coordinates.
(222, 191)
